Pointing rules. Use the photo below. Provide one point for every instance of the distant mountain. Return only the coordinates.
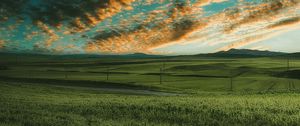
(251, 52)
(77, 56)
(141, 55)
(244, 53)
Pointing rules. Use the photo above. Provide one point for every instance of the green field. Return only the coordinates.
(40, 90)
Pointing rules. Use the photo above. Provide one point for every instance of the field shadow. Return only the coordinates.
(79, 83)
(292, 74)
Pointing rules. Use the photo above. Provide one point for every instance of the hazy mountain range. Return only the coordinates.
(231, 53)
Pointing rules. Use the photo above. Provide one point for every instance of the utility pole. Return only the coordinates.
(65, 69)
(2, 65)
(290, 82)
(288, 64)
(160, 77)
(231, 80)
(107, 73)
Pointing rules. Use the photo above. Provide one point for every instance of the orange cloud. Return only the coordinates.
(81, 24)
(175, 26)
(184, 23)
(2, 43)
(253, 23)
(255, 13)
(285, 22)
(201, 3)
(31, 35)
(52, 36)
(175, 23)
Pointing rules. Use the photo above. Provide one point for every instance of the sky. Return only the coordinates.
(166, 27)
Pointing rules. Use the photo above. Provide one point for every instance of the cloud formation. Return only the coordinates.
(124, 26)
(183, 21)
(285, 22)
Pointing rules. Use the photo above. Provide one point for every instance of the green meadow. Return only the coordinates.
(53, 90)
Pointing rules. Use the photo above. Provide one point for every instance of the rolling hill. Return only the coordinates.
(244, 53)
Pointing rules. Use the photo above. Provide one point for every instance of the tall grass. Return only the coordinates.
(43, 105)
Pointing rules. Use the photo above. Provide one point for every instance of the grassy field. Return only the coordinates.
(158, 91)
